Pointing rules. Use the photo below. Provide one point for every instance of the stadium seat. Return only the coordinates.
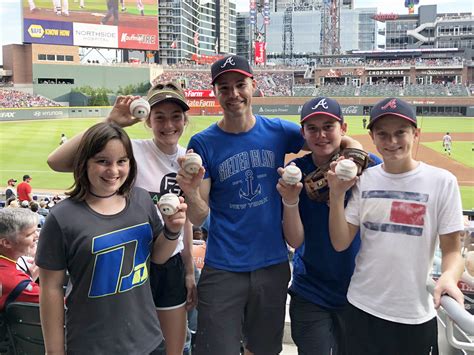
(24, 328)
(5, 344)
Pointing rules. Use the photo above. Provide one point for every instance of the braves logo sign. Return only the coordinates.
(321, 103)
(230, 61)
(391, 104)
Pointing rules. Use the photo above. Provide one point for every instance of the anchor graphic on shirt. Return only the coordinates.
(251, 193)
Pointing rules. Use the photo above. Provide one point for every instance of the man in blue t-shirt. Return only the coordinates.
(243, 285)
(321, 275)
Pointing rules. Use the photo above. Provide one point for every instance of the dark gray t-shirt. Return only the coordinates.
(110, 309)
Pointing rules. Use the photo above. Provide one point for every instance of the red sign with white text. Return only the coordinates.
(192, 94)
(260, 52)
(142, 38)
(205, 59)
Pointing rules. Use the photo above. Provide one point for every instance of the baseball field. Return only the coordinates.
(25, 146)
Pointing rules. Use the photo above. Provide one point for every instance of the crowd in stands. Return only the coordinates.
(336, 90)
(17, 99)
(6, 84)
(38, 205)
(351, 62)
(384, 89)
(295, 64)
(270, 83)
(278, 80)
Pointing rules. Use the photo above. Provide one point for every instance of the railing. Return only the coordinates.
(459, 322)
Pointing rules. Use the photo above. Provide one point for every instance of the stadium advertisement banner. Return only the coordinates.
(347, 110)
(260, 52)
(143, 38)
(33, 114)
(41, 113)
(203, 103)
(133, 23)
(276, 109)
(88, 35)
(205, 59)
(47, 32)
(199, 94)
(337, 73)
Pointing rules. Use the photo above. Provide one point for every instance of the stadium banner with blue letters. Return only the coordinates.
(47, 32)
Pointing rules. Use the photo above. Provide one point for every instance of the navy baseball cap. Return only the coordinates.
(231, 63)
(392, 106)
(321, 106)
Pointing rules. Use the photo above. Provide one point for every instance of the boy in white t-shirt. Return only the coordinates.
(400, 206)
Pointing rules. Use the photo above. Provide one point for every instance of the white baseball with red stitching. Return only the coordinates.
(346, 169)
(291, 175)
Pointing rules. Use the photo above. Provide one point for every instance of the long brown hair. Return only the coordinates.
(93, 142)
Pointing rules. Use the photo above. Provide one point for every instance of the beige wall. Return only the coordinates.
(54, 49)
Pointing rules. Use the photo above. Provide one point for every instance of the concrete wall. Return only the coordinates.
(96, 76)
(53, 113)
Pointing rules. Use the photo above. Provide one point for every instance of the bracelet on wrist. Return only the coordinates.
(290, 205)
(170, 235)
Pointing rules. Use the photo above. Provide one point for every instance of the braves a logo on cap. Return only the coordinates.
(391, 104)
(230, 61)
(321, 103)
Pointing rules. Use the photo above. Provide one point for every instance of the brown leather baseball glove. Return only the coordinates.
(315, 182)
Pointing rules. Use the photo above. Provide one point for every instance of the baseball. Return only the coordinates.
(192, 163)
(346, 169)
(140, 108)
(168, 204)
(291, 175)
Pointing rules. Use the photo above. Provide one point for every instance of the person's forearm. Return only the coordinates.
(338, 227)
(62, 158)
(198, 209)
(452, 264)
(348, 142)
(187, 253)
(292, 226)
(52, 320)
(163, 248)
(188, 262)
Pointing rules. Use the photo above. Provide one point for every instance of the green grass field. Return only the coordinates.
(25, 145)
(462, 151)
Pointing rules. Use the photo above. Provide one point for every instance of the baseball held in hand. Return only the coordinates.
(291, 175)
(140, 108)
(192, 163)
(346, 169)
(168, 204)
